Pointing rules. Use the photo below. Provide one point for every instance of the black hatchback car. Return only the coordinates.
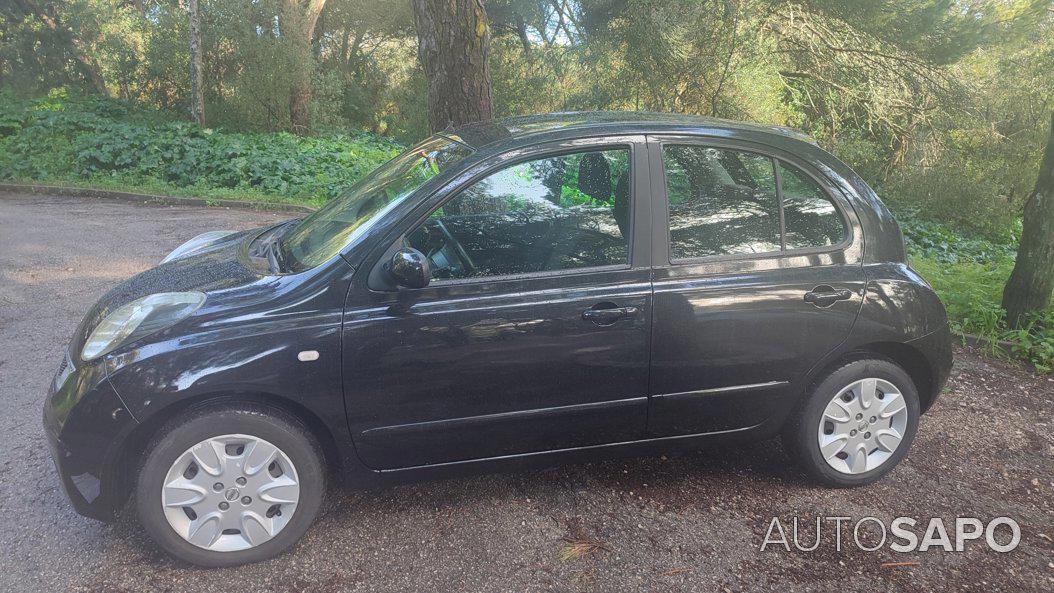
(522, 291)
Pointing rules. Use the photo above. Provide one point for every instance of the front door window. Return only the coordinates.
(557, 213)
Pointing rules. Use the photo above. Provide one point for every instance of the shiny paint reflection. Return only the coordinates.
(742, 320)
(244, 343)
(725, 331)
(512, 368)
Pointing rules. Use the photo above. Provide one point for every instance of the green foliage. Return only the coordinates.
(96, 139)
(971, 291)
(939, 242)
(570, 195)
(1034, 341)
(957, 195)
(968, 275)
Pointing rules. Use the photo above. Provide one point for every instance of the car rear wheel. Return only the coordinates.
(232, 485)
(856, 424)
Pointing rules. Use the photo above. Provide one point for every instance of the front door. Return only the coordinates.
(533, 334)
(762, 279)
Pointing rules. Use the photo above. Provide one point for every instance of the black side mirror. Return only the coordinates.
(409, 267)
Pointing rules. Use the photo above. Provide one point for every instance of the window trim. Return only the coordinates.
(721, 144)
(448, 282)
(779, 202)
(631, 143)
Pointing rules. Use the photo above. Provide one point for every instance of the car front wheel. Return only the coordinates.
(856, 424)
(232, 485)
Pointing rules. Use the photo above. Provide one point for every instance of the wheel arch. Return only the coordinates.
(908, 357)
(139, 439)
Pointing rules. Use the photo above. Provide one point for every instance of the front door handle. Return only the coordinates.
(825, 296)
(608, 313)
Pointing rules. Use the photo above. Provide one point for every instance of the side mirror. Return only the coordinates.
(409, 267)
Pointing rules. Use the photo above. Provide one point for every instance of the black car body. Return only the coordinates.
(477, 374)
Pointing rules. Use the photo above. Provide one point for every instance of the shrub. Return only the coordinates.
(969, 273)
(966, 200)
(56, 139)
(938, 241)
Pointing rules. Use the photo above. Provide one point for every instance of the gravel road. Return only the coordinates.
(690, 522)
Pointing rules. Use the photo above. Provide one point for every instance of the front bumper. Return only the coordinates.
(86, 424)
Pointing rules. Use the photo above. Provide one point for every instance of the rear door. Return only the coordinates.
(534, 332)
(760, 278)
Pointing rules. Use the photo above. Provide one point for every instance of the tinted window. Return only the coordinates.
(810, 218)
(721, 202)
(324, 233)
(558, 213)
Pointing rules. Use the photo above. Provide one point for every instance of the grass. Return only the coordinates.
(968, 273)
(972, 293)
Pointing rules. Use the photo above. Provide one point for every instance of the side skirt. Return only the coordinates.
(543, 459)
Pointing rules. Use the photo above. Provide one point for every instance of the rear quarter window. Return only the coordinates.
(810, 217)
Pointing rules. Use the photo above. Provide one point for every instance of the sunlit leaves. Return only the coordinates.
(54, 138)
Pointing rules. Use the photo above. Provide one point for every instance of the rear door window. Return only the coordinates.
(731, 202)
(722, 202)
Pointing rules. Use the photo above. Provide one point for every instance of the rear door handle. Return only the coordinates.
(825, 296)
(607, 313)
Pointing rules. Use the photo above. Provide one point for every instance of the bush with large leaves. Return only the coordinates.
(98, 139)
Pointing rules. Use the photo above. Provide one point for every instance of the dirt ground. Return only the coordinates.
(691, 522)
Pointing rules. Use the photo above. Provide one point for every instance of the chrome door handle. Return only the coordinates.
(825, 296)
(605, 314)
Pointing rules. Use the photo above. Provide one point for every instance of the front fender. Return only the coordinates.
(237, 357)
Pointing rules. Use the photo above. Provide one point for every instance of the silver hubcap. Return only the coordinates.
(230, 492)
(862, 426)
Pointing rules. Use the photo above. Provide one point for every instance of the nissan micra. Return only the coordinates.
(512, 293)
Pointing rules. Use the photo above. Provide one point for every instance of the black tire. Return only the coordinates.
(184, 432)
(800, 433)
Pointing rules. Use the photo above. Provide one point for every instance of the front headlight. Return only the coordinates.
(140, 318)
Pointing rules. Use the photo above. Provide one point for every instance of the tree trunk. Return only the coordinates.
(453, 43)
(299, 21)
(525, 41)
(197, 78)
(345, 43)
(1029, 287)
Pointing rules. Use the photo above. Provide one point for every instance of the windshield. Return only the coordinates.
(338, 224)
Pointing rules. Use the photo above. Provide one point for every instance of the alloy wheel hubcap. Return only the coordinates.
(862, 426)
(230, 493)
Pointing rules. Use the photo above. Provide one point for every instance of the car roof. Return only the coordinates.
(496, 134)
